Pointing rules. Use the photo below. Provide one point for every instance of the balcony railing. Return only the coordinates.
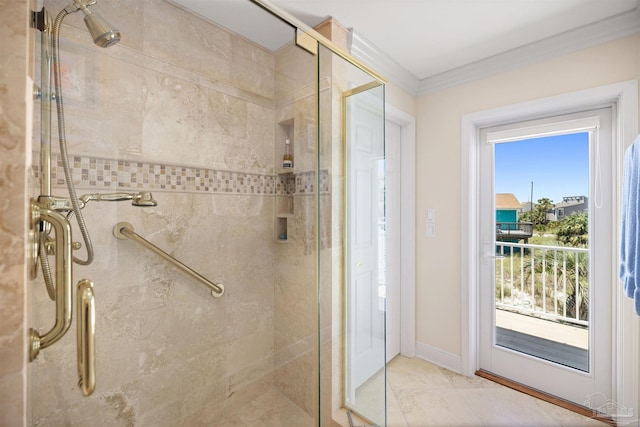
(513, 230)
(546, 281)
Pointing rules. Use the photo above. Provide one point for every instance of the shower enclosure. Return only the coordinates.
(175, 139)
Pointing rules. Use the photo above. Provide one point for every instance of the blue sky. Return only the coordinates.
(558, 166)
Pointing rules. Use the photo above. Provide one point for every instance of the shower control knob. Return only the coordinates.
(76, 245)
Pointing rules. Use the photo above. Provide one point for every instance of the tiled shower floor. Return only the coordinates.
(270, 408)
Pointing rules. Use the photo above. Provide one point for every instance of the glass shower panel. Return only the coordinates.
(352, 277)
(198, 115)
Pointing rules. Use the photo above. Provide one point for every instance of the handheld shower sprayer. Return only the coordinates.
(142, 199)
(103, 34)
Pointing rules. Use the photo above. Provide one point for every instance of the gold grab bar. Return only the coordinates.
(124, 230)
(62, 228)
(86, 330)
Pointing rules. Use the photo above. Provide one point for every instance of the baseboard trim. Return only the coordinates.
(582, 410)
(439, 357)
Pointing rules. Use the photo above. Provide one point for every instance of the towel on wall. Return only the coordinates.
(630, 230)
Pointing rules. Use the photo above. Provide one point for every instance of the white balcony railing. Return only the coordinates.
(551, 282)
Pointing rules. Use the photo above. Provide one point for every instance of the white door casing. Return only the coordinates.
(407, 174)
(624, 96)
(568, 383)
(392, 237)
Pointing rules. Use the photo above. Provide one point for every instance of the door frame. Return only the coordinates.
(624, 96)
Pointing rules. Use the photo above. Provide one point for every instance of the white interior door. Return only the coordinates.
(581, 386)
(365, 242)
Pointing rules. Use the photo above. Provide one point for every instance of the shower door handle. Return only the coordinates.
(86, 329)
(62, 228)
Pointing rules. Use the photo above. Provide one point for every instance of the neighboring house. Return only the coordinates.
(508, 228)
(568, 206)
(507, 208)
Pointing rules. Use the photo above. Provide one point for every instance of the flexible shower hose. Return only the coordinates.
(63, 142)
(46, 268)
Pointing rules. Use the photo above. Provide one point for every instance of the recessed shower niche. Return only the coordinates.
(285, 165)
(284, 217)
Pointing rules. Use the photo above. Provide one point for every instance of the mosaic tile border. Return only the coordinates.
(117, 175)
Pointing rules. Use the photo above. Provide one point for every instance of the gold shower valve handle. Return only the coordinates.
(55, 203)
(51, 246)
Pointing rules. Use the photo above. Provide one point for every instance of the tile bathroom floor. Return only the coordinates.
(422, 394)
(419, 394)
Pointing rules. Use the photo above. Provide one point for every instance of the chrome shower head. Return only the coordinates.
(103, 34)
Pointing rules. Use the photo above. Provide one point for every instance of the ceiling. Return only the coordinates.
(429, 37)
(425, 44)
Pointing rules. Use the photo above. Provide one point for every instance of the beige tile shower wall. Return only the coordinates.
(296, 316)
(166, 348)
(181, 95)
(176, 89)
(14, 89)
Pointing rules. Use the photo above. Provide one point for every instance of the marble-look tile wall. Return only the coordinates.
(332, 275)
(187, 110)
(14, 88)
(296, 342)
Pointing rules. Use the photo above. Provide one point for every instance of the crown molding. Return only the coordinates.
(612, 28)
(580, 38)
(365, 51)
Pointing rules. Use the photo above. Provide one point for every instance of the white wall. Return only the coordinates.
(438, 174)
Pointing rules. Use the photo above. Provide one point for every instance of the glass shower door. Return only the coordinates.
(201, 120)
(365, 284)
(196, 113)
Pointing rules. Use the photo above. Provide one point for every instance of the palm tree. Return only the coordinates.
(574, 230)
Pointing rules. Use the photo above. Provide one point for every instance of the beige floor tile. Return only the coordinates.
(567, 418)
(444, 407)
(419, 394)
(429, 395)
(505, 407)
(415, 374)
(460, 381)
(395, 416)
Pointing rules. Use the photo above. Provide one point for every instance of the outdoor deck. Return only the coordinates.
(514, 231)
(554, 341)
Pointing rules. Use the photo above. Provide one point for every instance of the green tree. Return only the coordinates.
(525, 217)
(574, 230)
(541, 209)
